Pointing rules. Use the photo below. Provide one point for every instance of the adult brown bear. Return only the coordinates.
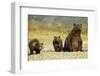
(73, 41)
(35, 46)
(57, 43)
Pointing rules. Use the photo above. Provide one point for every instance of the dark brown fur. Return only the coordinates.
(57, 43)
(35, 45)
(73, 41)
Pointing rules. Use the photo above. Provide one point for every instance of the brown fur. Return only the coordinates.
(35, 45)
(57, 43)
(73, 41)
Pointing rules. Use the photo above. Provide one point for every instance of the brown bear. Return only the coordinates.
(73, 41)
(35, 46)
(57, 44)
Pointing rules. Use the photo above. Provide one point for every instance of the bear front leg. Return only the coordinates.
(80, 46)
(31, 51)
(37, 51)
(70, 47)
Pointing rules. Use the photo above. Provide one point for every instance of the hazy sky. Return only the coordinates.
(66, 20)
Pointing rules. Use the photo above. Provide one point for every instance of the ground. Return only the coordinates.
(58, 55)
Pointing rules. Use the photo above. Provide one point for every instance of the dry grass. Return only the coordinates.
(58, 55)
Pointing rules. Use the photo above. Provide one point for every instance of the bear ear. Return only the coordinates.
(41, 43)
(74, 24)
(80, 25)
(58, 36)
(54, 37)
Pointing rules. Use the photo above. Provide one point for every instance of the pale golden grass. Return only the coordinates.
(58, 55)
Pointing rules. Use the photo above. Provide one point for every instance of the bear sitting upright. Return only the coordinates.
(57, 43)
(73, 41)
(35, 46)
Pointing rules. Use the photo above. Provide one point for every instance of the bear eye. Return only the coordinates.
(77, 31)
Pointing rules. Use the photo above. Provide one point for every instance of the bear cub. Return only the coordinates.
(57, 43)
(35, 46)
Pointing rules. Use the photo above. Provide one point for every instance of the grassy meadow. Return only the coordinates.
(45, 32)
